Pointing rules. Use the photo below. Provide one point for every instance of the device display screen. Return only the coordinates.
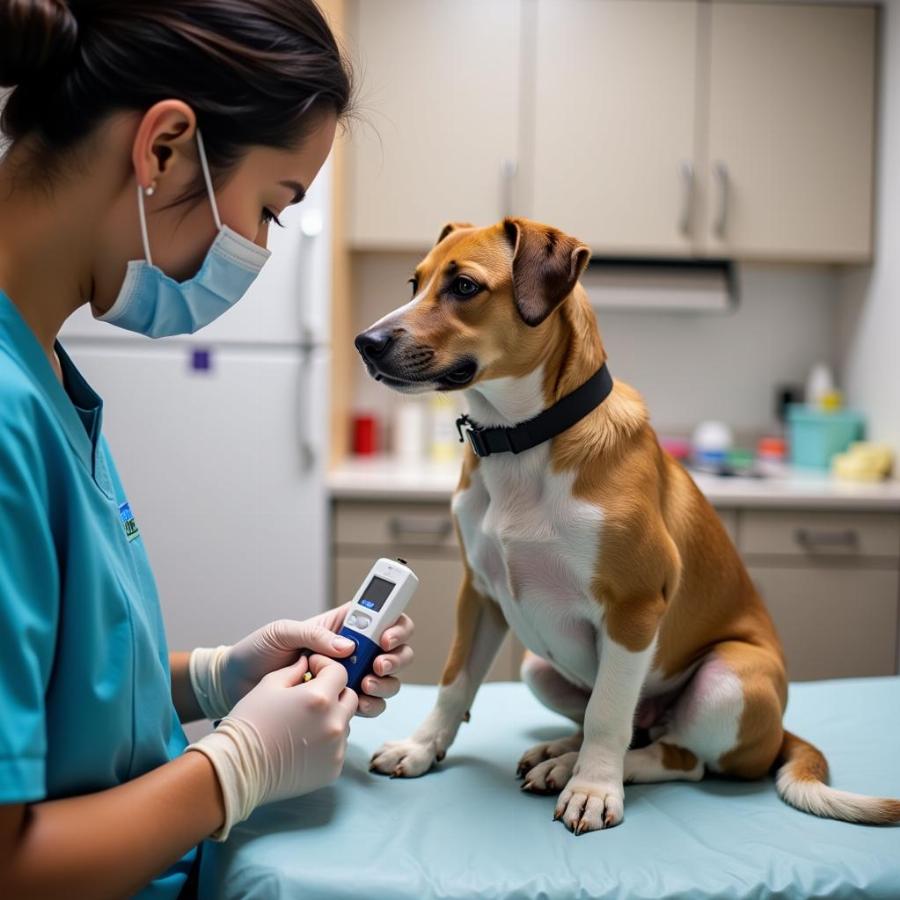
(376, 592)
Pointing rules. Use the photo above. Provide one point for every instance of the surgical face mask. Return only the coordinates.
(152, 303)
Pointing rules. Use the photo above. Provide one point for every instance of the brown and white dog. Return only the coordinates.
(595, 547)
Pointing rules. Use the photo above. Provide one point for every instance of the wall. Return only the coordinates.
(868, 323)
(689, 366)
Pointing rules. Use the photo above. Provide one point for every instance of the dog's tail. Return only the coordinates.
(800, 780)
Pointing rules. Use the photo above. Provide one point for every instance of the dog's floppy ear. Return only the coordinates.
(452, 226)
(546, 265)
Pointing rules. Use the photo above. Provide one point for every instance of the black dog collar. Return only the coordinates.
(545, 425)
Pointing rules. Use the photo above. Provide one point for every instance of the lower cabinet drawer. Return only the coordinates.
(819, 534)
(834, 621)
(433, 609)
(396, 526)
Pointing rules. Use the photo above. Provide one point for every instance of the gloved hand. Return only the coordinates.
(383, 683)
(283, 739)
(220, 676)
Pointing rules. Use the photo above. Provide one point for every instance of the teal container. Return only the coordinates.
(816, 436)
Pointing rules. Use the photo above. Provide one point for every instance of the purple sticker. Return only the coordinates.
(201, 360)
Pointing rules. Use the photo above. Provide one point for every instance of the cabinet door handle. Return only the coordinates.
(720, 170)
(436, 531)
(687, 200)
(509, 168)
(824, 540)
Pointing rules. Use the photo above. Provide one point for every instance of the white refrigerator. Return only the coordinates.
(221, 440)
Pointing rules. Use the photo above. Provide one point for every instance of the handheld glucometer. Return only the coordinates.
(379, 602)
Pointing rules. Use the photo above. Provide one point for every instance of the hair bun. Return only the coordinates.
(36, 38)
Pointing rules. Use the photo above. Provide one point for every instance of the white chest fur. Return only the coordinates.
(532, 548)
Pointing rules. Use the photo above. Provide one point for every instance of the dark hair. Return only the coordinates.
(254, 71)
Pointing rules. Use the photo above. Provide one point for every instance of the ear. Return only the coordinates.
(168, 126)
(545, 268)
(452, 226)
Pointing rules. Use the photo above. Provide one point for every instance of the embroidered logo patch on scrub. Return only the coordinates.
(128, 523)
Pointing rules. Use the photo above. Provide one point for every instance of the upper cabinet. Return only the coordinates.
(614, 123)
(438, 136)
(644, 127)
(790, 131)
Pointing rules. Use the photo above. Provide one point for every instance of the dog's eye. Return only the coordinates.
(463, 286)
(415, 286)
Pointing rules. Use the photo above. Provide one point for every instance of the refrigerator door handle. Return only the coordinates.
(307, 447)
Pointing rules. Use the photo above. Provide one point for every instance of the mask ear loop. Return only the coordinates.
(143, 218)
(204, 165)
(206, 177)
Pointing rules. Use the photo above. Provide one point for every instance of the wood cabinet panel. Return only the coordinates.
(791, 131)
(614, 122)
(816, 535)
(834, 622)
(395, 528)
(654, 128)
(440, 107)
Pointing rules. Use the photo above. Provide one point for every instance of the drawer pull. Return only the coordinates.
(823, 540)
(720, 171)
(416, 528)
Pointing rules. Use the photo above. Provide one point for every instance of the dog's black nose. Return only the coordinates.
(373, 344)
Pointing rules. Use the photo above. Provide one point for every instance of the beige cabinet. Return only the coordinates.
(645, 127)
(831, 581)
(834, 621)
(739, 129)
(422, 534)
(438, 135)
(789, 156)
(832, 584)
(614, 123)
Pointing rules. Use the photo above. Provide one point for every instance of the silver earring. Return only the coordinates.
(150, 190)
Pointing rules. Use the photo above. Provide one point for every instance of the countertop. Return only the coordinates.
(387, 479)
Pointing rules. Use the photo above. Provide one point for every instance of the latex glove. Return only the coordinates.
(220, 676)
(285, 738)
(383, 684)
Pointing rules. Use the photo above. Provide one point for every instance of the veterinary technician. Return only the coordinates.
(151, 144)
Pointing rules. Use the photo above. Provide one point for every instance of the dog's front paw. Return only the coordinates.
(547, 776)
(405, 759)
(549, 750)
(589, 806)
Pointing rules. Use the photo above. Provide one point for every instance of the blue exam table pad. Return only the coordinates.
(465, 830)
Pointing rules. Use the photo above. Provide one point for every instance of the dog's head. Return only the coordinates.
(482, 305)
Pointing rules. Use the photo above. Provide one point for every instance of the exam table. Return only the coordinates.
(466, 831)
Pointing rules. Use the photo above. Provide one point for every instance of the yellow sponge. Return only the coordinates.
(863, 461)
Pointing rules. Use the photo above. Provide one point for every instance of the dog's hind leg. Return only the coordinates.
(662, 761)
(552, 689)
(726, 720)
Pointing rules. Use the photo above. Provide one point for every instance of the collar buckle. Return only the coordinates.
(466, 428)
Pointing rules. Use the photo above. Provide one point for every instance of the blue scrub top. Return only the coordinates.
(85, 698)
